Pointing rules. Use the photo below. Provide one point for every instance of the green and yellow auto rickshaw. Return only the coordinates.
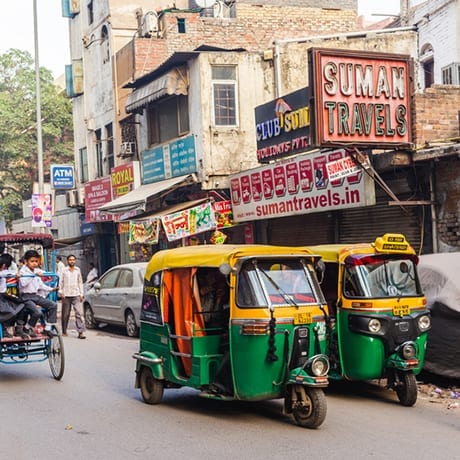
(237, 322)
(378, 319)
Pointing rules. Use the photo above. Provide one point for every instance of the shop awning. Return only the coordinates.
(137, 199)
(173, 82)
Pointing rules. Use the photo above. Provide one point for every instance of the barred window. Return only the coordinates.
(224, 95)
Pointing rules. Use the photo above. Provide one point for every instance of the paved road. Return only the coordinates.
(95, 413)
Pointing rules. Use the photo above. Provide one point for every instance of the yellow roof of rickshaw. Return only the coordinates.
(390, 243)
(216, 255)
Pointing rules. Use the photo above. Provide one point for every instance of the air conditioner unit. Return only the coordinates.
(127, 149)
(71, 198)
(81, 196)
(150, 24)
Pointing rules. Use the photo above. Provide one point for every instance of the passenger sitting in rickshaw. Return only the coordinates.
(10, 306)
(33, 292)
(214, 297)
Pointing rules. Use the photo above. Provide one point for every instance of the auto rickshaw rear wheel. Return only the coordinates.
(406, 388)
(310, 409)
(151, 388)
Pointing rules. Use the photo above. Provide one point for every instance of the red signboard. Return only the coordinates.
(361, 98)
(97, 193)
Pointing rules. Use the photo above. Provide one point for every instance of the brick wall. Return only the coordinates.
(436, 114)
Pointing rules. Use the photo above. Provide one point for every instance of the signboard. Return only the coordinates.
(125, 178)
(360, 98)
(346, 166)
(175, 159)
(97, 193)
(62, 177)
(298, 185)
(283, 126)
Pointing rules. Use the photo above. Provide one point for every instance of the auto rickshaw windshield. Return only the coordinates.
(274, 282)
(379, 276)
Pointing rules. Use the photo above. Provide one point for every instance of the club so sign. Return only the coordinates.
(361, 98)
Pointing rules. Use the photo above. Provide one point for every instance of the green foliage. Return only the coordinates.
(18, 130)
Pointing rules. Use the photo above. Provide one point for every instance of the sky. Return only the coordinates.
(17, 28)
(17, 31)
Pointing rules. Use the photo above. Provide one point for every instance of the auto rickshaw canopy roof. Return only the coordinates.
(216, 255)
(390, 243)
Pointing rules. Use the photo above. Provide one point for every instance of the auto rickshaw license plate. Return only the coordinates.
(302, 318)
(401, 310)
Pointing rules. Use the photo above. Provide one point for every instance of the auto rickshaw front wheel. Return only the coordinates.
(151, 388)
(406, 388)
(309, 406)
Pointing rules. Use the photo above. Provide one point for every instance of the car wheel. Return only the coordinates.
(89, 317)
(132, 329)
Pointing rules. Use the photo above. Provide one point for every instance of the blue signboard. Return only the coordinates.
(62, 177)
(175, 159)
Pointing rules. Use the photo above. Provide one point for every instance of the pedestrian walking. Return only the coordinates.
(59, 266)
(71, 293)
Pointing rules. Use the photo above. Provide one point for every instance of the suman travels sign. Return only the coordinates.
(360, 98)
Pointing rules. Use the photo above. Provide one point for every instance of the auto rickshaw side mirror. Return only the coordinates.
(320, 268)
(226, 269)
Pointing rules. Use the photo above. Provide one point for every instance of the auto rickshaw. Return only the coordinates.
(378, 319)
(263, 336)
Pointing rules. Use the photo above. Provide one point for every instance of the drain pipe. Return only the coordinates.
(345, 35)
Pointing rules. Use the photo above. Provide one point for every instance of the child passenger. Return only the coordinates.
(9, 306)
(32, 291)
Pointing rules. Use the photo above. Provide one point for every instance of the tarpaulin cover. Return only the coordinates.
(440, 279)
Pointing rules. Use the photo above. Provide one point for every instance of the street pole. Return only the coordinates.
(41, 184)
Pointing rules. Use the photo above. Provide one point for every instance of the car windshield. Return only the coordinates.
(373, 276)
(273, 282)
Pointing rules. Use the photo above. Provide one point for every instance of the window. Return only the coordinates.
(99, 163)
(224, 95)
(125, 279)
(428, 72)
(83, 154)
(167, 119)
(109, 280)
(105, 45)
(110, 157)
(90, 12)
(451, 74)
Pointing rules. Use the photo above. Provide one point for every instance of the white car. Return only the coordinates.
(116, 298)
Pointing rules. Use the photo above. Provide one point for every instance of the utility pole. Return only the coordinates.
(41, 184)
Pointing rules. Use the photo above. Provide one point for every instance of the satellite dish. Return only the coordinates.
(205, 3)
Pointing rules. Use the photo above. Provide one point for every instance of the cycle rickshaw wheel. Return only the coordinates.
(56, 356)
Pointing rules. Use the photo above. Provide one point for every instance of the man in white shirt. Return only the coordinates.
(71, 293)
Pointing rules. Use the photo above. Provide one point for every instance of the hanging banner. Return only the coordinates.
(189, 222)
(298, 185)
(223, 212)
(42, 209)
(144, 232)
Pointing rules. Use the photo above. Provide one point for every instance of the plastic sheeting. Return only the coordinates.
(440, 278)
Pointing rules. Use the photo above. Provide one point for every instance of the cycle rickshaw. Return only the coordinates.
(16, 350)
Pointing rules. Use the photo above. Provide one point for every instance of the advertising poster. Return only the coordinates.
(42, 209)
(144, 232)
(300, 185)
(189, 222)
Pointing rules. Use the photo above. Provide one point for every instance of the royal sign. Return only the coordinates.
(360, 98)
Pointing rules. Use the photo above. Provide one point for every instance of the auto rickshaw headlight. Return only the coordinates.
(318, 365)
(408, 350)
(424, 322)
(374, 325)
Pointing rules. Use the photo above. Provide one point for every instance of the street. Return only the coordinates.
(96, 413)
